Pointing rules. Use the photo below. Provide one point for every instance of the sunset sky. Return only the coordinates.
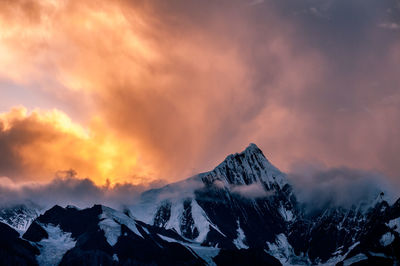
(136, 91)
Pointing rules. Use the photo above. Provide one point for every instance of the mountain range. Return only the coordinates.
(244, 212)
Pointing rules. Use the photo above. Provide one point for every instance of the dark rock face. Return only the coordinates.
(245, 257)
(187, 226)
(71, 219)
(228, 210)
(91, 249)
(350, 231)
(35, 233)
(14, 250)
(163, 214)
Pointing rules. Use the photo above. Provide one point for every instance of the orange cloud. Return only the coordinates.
(36, 145)
(165, 88)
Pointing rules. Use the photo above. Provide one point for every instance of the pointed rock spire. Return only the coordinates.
(245, 168)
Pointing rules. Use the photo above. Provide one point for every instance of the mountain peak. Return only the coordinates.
(252, 148)
(245, 168)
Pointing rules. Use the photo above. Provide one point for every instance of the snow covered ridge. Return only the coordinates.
(242, 212)
(111, 222)
(19, 216)
(245, 168)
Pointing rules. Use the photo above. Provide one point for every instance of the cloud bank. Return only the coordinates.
(318, 187)
(68, 189)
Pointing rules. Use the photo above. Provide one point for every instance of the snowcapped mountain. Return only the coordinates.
(242, 212)
(211, 208)
(19, 216)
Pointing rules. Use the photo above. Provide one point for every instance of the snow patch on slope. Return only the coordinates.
(52, 249)
(206, 253)
(200, 218)
(176, 216)
(283, 251)
(286, 214)
(111, 221)
(354, 259)
(381, 255)
(338, 256)
(394, 224)
(144, 211)
(174, 193)
(201, 221)
(386, 239)
(241, 237)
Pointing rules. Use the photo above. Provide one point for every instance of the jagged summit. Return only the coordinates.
(245, 168)
(252, 148)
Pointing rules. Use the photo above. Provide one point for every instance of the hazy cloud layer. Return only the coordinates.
(319, 187)
(184, 83)
(67, 189)
(315, 186)
(255, 190)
